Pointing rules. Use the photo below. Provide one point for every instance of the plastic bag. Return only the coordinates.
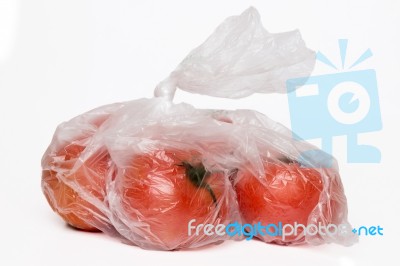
(74, 177)
(169, 176)
(241, 58)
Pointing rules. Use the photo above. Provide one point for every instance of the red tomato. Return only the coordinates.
(64, 172)
(65, 200)
(287, 194)
(163, 190)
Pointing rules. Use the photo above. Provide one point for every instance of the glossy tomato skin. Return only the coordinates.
(74, 168)
(159, 200)
(64, 198)
(286, 194)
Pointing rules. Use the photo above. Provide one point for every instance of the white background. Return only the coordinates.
(61, 58)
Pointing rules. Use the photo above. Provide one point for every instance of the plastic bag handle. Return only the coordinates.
(241, 58)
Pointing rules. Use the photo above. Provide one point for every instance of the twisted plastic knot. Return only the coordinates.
(166, 88)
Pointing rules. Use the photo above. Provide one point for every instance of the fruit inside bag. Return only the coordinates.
(276, 184)
(74, 174)
(172, 169)
(169, 176)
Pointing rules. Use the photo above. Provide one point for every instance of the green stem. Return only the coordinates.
(197, 176)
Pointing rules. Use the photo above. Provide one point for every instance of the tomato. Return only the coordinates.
(286, 194)
(64, 199)
(69, 180)
(163, 190)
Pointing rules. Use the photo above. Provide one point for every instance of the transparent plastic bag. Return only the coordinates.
(168, 176)
(275, 183)
(74, 172)
(171, 170)
(241, 58)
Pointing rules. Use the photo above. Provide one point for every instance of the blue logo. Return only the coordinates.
(345, 103)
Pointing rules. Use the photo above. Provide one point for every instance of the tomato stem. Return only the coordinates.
(209, 189)
(287, 160)
(197, 175)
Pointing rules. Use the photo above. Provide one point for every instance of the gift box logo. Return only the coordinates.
(342, 103)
